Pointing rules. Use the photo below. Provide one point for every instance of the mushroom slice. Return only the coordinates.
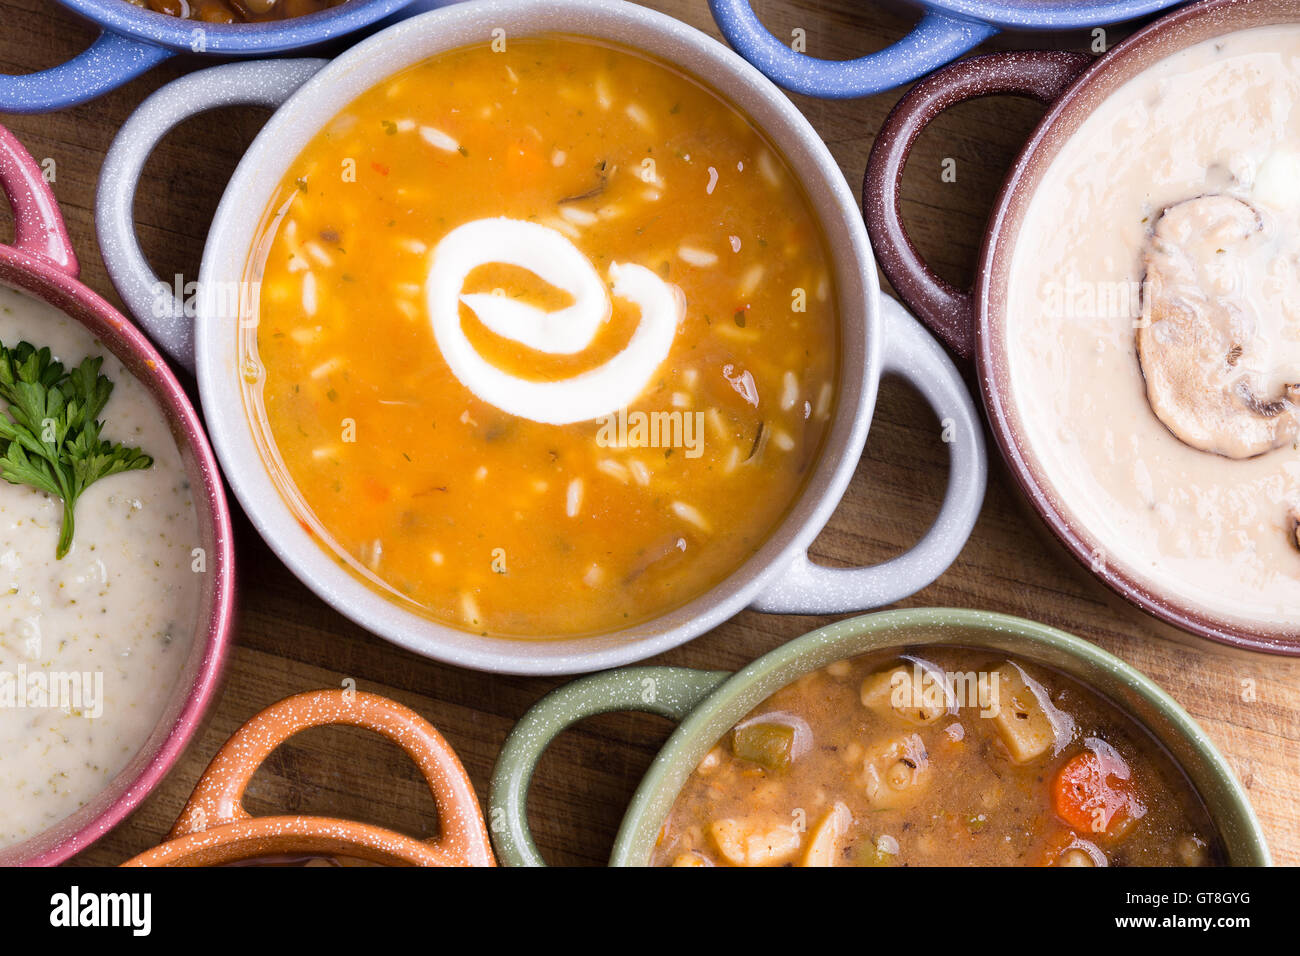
(1293, 524)
(1202, 352)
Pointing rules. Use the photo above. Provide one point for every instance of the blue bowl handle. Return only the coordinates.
(936, 40)
(166, 319)
(111, 61)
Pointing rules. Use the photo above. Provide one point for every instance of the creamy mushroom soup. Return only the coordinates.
(91, 644)
(1163, 413)
(546, 341)
(943, 756)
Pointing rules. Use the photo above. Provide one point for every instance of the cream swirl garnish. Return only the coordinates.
(549, 255)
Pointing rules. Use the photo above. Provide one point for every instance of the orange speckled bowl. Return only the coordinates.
(214, 829)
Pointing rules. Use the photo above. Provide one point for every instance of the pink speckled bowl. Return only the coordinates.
(214, 829)
(41, 263)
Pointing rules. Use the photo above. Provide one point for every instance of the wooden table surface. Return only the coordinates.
(288, 641)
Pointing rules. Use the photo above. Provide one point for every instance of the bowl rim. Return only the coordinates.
(272, 36)
(643, 30)
(243, 840)
(1153, 42)
(1023, 15)
(40, 280)
(758, 680)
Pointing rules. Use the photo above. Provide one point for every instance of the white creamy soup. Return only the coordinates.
(91, 646)
(1162, 414)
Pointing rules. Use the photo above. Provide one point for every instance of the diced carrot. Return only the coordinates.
(525, 163)
(376, 489)
(1095, 793)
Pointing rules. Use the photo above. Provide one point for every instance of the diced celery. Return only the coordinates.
(768, 745)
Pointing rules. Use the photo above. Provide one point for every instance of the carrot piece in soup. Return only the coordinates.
(1095, 793)
(375, 489)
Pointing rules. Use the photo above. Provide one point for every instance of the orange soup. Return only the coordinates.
(547, 338)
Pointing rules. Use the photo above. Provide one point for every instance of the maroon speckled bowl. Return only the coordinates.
(973, 323)
(41, 264)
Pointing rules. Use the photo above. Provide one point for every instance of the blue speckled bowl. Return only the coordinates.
(134, 40)
(947, 29)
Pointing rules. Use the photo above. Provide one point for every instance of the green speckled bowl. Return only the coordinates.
(708, 703)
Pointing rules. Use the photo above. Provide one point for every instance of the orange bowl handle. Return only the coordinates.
(219, 796)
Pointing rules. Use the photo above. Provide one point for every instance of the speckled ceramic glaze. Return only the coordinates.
(877, 335)
(214, 829)
(973, 323)
(41, 264)
(947, 29)
(133, 40)
(707, 704)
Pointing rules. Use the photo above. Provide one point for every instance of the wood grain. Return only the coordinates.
(288, 641)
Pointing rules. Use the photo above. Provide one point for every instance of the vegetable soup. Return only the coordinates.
(546, 339)
(943, 756)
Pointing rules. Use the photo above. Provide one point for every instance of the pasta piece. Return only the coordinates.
(1075, 857)
(896, 772)
(907, 694)
(750, 843)
(827, 841)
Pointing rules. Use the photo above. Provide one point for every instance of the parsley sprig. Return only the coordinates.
(50, 434)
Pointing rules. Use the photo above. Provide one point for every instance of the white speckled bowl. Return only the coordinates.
(877, 335)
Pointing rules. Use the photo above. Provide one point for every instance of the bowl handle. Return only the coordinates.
(218, 796)
(937, 39)
(153, 302)
(671, 692)
(912, 354)
(947, 310)
(111, 61)
(38, 225)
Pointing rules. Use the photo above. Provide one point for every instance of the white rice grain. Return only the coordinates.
(789, 391)
(438, 139)
(309, 293)
(691, 515)
(701, 258)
